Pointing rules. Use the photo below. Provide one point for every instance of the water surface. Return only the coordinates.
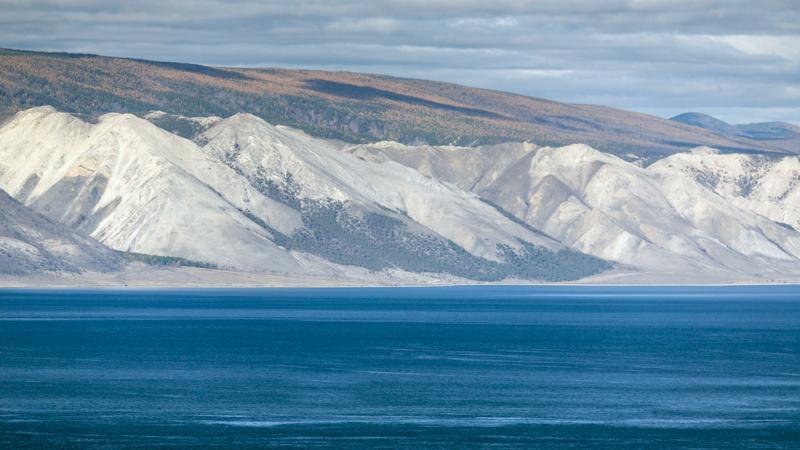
(694, 367)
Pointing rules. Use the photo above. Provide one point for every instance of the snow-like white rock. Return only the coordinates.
(767, 185)
(31, 244)
(321, 170)
(659, 219)
(138, 188)
(470, 169)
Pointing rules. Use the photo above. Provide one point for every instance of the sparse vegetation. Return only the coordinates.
(352, 107)
(174, 261)
(178, 125)
(377, 241)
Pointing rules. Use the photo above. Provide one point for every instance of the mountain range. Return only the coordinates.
(233, 193)
(785, 134)
(246, 195)
(665, 218)
(349, 106)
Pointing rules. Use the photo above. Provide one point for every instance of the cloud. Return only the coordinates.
(651, 55)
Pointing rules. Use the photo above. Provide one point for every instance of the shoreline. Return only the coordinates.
(207, 279)
(36, 285)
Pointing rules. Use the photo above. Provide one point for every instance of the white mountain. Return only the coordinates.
(469, 168)
(33, 244)
(385, 215)
(247, 195)
(767, 185)
(136, 187)
(317, 168)
(262, 198)
(657, 219)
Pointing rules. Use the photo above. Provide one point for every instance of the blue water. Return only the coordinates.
(494, 367)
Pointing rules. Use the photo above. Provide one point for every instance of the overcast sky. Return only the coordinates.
(738, 60)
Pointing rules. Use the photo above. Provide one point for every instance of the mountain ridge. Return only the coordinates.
(344, 105)
(263, 198)
(31, 243)
(784, 132)
(660, 218)
(244, 195)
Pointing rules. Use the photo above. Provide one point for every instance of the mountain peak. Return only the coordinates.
(245, 117)
(708, 122)
(773, 132)
(577, 153)
(691, 115)
(704, 151)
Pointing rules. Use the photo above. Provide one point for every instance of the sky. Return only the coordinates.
(737, 60)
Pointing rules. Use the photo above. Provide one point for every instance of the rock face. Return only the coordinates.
(769, 186)
(31, 243)
(135, 187)
(684, 214)
(247, 195)
(251, 196)
(313, 171)
(384, 215)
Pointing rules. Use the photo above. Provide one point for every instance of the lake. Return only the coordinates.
(456, 367)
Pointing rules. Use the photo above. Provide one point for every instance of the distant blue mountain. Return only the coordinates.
(758, 131)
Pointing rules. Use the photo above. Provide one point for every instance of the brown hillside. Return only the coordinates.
(350, 106)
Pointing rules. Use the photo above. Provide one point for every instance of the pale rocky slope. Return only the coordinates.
(248, 195)
(769, 186)
(471, 169)
(31, 243)
(136, 187)
(290, 160)
(262, 198)
(657, 219)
